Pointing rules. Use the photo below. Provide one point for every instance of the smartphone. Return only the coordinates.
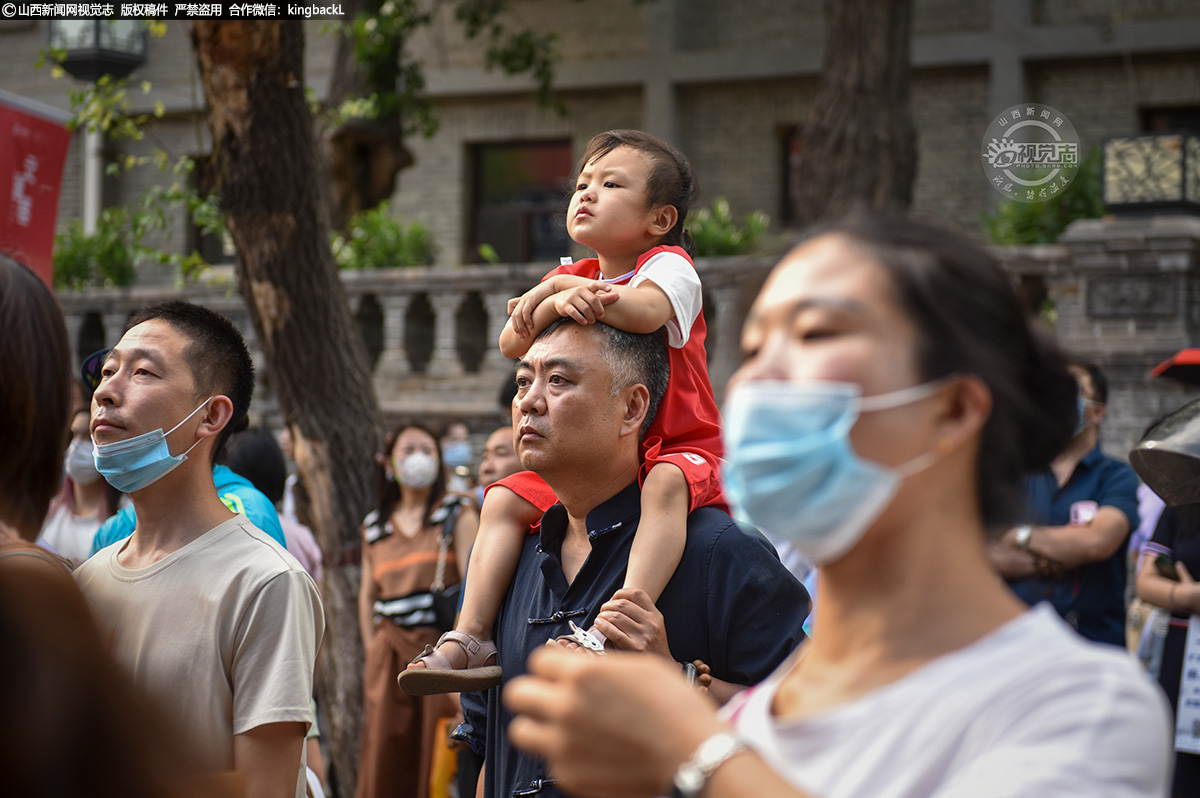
(1166, 567)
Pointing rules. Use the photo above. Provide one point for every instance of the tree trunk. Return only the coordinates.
(858, 146)
(269, 179)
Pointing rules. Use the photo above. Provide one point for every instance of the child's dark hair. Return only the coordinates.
(671, 180)
(969, 321)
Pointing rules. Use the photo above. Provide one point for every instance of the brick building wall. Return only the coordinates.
(722, 78)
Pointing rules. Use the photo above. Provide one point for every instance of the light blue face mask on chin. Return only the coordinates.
(137, 462)
(790, 468)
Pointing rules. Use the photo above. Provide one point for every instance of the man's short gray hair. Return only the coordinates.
(632, 358)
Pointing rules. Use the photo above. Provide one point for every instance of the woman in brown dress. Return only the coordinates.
(404, 540)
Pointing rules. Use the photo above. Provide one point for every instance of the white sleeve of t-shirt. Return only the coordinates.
(671, 272)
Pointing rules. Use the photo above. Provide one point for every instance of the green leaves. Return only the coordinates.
(110, 256)
(375, 240)
(102, 259)
(715, 233)
(1043, 222)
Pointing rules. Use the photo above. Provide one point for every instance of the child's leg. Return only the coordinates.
(504, 520)
(662, 532)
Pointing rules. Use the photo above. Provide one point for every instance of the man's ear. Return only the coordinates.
(662, 219)
(217, 417)
(637, 405)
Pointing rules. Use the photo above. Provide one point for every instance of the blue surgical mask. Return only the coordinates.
(137, 462)
(456, 454)
(1081, 405)
(791, 470)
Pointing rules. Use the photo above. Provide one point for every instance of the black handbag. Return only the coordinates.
(445, 599)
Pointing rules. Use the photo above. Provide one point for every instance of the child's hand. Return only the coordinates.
(520, 308)
(585, 303)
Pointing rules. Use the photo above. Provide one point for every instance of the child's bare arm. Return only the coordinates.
(513, 344)
(641, 309)
(520, 308)
(662, 531)
(366, 597)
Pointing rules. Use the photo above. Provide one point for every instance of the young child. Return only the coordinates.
(629, 205)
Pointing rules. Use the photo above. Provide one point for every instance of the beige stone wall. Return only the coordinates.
(705, 24)
(730, 130)
(586, 31)
(732, 134)
(950, 16)
(951, 114)
(1103, 99)
(1107, 13)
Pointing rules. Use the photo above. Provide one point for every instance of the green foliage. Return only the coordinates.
(397, 82)
(1043, 222)
(378, 39)
(102, 259)
(110, 256)
(489, 254)
(715, 233)
(375, 240)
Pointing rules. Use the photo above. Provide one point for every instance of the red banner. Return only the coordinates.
(33, 146)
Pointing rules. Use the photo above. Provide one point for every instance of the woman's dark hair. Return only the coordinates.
(63, 699)
(671, 180)
(389, 490)
(35, 397)
(255, 454)
(969, 321)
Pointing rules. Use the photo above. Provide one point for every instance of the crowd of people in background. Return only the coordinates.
(967, 576)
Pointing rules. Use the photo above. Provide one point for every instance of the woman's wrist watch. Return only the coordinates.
(693, 775)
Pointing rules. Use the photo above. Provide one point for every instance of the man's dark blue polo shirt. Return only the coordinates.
(730, 603)
(1091, 597)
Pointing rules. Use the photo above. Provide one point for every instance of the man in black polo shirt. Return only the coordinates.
(1082, 509)
(585, 396)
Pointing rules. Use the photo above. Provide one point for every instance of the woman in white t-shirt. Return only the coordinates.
(892, 396)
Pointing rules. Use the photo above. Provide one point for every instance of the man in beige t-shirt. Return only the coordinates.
(209, 614)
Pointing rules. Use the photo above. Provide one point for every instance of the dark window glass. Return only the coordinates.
(519, 200)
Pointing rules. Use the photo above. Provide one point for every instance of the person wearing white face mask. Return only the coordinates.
(415, 545)
(85, 500)
(892, 397)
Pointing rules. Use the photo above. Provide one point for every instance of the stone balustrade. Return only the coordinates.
(1125, 293)
(430, 333)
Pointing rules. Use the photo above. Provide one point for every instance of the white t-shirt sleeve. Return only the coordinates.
(275, 652)
(677, 278)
